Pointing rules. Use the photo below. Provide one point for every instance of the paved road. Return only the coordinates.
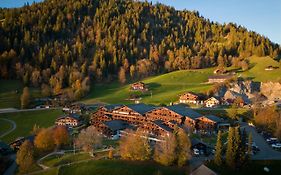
(266, 152)
(12, 168)
(11, 110)
(14, 126)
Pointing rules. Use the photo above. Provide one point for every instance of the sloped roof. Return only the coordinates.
(141, 108)
(184, 111)
(116, 125)
(203, 170)
(72, 115)
(113, 106)
(213, 118)
(161, 125)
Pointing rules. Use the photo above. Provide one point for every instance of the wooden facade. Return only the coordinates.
(69, 120)
(139, 86)
(189, 97)
(164, 114)
(153, 120)
(211, 102)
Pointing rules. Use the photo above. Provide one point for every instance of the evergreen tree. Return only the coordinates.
(230, 154)
(249, 148)
(183, 147)
(218, 153)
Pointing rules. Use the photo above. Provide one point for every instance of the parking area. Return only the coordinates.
(266, 152)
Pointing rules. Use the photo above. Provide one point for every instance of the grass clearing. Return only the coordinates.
(258, 72)
(162, 89)
(26, 120)
(4, 126)
(120, 167)
(56, 160)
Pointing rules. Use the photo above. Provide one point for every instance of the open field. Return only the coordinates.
(10, 93)
(117, 167)
(257, 72)
(56, 160)
(162, 89)
(4, 126)
(26, 120)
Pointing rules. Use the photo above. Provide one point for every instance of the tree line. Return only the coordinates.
(71, 44)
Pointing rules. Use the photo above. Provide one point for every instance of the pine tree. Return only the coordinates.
(230, 155)
(249, 148)
(218, 154)
(183, 147)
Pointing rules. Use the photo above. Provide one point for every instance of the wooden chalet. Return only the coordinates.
(189, 97)
(15, 145)
(139, 86)
(110, 128)
(211, 102)
(155, 128)
(178, 113)
(208, 122)
(69, 120)
(133, 113)
(219, 78)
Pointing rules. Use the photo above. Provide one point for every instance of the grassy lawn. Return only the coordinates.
(4, 126)
(56, 160)
(10, 92)
(165, 88)
(255, 167)
(26, 120)
(120, 167)
(257, 71)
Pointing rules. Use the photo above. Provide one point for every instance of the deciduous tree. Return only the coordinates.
(25, 156)
(61, 136)
(89, 139)
(44, 140)
(25, 98)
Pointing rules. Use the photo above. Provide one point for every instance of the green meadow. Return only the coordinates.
(26, 120)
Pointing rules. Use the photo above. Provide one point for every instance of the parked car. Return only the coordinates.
(196, 152)
(276, 145)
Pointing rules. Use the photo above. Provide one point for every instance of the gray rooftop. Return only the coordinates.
(116, 125)
(141, 108)
(184, 111)
(214, 118)
(113, 106)
(161, 125)
(72, 115)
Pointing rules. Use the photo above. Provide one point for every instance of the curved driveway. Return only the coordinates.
(14, 126)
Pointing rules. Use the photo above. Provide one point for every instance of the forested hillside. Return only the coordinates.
(58, 44)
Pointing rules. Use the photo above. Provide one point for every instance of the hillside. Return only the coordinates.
(257, 69)
(70, 43)
(165, 88)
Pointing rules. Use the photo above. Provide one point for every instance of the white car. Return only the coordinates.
(276, 145)
(196, 152)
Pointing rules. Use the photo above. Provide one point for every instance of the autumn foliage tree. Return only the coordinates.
(44, 140)
(165, 151)
(135, 146)
(89, 139)
(25, 157)
(61, 136)
(25, 98)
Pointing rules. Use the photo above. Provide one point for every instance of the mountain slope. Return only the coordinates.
(71, 43)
